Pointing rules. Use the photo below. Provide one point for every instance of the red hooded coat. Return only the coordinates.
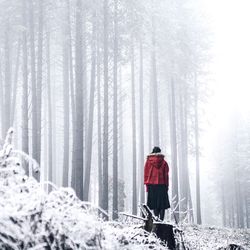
(156, 170)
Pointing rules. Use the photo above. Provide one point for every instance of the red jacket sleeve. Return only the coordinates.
(166, 173)
(146, 172)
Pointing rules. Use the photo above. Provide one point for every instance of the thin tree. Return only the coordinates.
(197, 154)
(77, 167)
(115, 119)
(25, 118)
(174, 168)
(89, 135)
(141, 118)
(39, 78)
(33, 80)
(66, 92)
(50, 128)
(105, 189)
(134, 158)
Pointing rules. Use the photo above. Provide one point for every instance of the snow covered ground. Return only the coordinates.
(208, 238)
(30, 218)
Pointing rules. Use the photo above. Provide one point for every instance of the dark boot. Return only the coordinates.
(162, 214)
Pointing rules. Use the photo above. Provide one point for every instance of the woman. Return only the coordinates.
(156, 180)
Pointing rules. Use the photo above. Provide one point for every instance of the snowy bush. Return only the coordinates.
(32, 219)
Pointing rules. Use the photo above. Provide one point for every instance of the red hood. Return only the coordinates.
(156, 159)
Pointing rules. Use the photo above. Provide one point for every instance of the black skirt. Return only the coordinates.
(158, 197)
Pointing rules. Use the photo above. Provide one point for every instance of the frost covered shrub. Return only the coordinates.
(32, 219)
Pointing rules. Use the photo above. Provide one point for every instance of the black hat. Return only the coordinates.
(156, 150)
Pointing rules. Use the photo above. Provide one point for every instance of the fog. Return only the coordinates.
(90, 88)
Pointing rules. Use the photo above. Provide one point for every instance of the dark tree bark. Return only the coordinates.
(156, 138)
(25, 118)
(175, 186)
(115, 119)
(141, 139)
(15, 80)
(39, 78)
(50, 128)
(99, 124)
(89, 135)
(7, 80)
(134, 194)
(77, 167)
(197, 156)
(66, 88)
(33, 82)
(105, 189)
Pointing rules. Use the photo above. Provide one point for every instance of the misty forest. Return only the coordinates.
(87, 89)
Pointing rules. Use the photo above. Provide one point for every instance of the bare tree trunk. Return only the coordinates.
(77, 168)
(175, 186)
(185, 156)
(66, 89)
(121, 150)
(156, 138)
(141, 140)
(121, 203)
(33, 82)
(197, 156)
(14, 91)
(134, 194)
(1, 100)
(105, 200)
(7, 81)
(50, 132)
(115, 126)
(39, 79)
(71, 71)
(25, 118)
(89, 135)
(99, 126)
(182, 157)
(224, 216)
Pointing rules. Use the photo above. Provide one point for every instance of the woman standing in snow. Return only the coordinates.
(156, 180)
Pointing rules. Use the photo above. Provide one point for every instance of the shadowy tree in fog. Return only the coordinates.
(77, 157)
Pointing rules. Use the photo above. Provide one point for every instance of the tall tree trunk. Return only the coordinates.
(39, 79)
(182, 157)
(105, 200)
(7, 80)
(33, 82)
(14, 92)
(66, 89)
(197, 156)
(77, 167)
(25, 118)
(99, 125)
(71, 71)
(89, 135)
(121, 203)
(156, 139)
(115, 126)
(120, 140)
(175, 185)
(1, 100)
(185, 155)
(50, 132)
(141, 140)
(134, 194)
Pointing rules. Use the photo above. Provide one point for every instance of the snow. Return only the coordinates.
(208, 238)
(31, 218)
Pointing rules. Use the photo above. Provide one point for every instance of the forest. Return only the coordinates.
(90, 87)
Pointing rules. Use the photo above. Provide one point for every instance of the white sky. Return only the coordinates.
(230, 73)
(230, 22)
(230, 68)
